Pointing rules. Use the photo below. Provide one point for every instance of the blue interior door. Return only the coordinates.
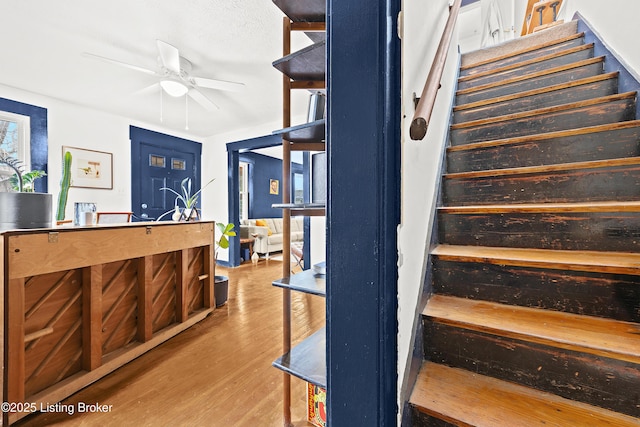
(160, 161)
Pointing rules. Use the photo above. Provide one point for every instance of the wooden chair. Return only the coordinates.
(113, 217)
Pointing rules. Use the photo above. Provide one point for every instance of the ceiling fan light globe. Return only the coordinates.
(174, 88)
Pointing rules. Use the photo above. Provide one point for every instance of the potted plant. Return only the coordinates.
(23, 208)
(221, 283)
(189, 210)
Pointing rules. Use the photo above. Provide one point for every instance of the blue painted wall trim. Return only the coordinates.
(363, 211)
(39, 137)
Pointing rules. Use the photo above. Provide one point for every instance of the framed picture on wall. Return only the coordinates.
(274, 186)
(90, 169)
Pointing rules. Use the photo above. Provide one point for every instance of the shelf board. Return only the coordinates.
(307, 360)
(306, 132)
(316, 36)
(303, 10)
(308, 282)
(307, 209)
(305, 64)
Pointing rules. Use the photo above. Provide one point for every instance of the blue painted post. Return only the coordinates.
(363, 211)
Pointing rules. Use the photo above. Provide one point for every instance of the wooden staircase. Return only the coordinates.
(534, 312)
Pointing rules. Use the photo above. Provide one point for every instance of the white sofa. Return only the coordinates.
(264, 242)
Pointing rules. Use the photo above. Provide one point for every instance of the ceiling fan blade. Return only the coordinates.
(169, 55)
(203, 100)
(148, 90)
(219, 84)
(121, 64)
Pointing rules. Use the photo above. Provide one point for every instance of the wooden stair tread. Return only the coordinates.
(546, 89)
(595, 261)
(568, 29)
(627, 161)
(522, 51)
(595, 335)
(462, 397)
(530, 76)
(615, 206)
(546, 110)
(547, 135)
(527, 62)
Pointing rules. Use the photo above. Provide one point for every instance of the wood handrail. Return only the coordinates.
(428, 98)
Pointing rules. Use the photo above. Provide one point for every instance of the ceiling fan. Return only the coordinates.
(175, 76)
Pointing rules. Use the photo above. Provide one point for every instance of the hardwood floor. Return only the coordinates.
(217, 373)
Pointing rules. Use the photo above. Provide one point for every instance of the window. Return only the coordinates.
(156, 161)
(14, 140)
(178, 164)
(243, 175)
(298, 188)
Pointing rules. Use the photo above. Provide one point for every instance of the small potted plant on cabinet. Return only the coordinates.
(22, 207)
(189, 211)
(221, 283)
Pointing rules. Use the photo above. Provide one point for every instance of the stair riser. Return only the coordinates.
(523, 57)
(527, 69)
(592, 115)
(530, 84)
(598, 381)
(614, 183)
(542, 100)
(420, 419)
(582, 231)
(612, 144)
(607, 295)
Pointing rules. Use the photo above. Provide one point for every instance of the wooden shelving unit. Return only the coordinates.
(303, 69)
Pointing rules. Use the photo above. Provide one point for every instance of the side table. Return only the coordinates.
(249, 242)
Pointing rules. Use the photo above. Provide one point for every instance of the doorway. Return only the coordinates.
(160, 161)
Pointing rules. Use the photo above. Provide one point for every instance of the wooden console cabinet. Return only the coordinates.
(81, 302)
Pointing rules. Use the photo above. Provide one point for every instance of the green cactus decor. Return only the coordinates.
(65, 182)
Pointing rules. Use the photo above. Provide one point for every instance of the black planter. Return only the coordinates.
(25, 210)
(221, 290)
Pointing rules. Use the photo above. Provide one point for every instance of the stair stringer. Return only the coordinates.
(416, 357)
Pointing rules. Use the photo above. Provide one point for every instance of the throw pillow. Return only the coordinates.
(263, 223)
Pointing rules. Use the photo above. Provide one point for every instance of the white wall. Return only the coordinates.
(423, 26)
(82, 127)
(615, 22)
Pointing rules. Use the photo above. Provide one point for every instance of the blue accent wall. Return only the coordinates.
(262, 170)
(39, 137)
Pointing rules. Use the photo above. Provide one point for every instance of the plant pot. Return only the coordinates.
(221, 290)
(25, 210)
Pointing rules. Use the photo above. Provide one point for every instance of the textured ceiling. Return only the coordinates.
(234, 40)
